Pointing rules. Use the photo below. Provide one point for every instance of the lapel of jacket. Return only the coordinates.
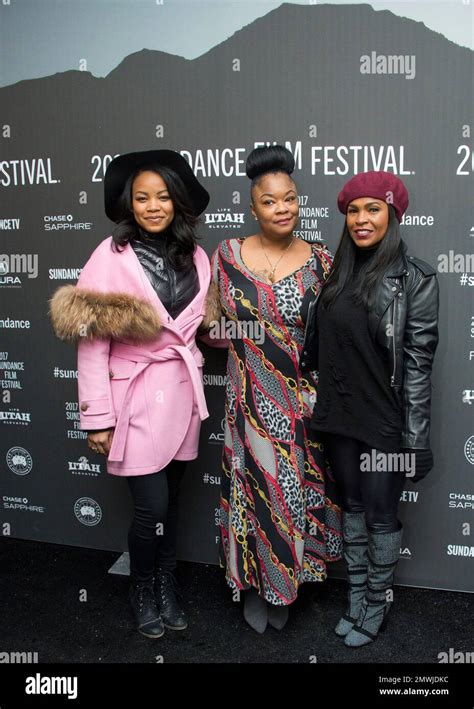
(386, 292)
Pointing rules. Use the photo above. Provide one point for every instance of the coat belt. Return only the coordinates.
(143, 358)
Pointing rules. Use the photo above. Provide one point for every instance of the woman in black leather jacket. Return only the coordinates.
(372, 334)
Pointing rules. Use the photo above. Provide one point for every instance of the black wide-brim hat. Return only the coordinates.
(120, 169)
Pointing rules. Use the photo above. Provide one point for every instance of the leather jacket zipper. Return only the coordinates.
(392, 378)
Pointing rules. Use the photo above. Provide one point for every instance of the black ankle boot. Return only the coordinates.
(147, 616)
(167, 597)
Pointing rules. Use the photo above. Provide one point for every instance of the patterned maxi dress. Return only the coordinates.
(278, 518)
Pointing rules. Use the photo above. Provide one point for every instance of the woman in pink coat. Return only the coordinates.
(134, 314)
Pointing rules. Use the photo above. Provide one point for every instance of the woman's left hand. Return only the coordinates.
(100, 441)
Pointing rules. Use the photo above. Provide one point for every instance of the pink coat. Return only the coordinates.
(139, 370)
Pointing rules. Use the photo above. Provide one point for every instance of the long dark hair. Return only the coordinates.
(388, 250)
(181, 237)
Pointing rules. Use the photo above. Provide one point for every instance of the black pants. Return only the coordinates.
(375, 492)
(153, 532)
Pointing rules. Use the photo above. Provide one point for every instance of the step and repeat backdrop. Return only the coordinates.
(346, 89)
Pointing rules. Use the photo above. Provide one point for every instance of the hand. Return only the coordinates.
(100, 441)
(423, 462)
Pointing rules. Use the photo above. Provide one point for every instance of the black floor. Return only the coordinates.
(62, 603)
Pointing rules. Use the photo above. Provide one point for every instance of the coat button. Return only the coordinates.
(305, 353)
(400, 294)
(111, 374)
(84, 407)
(394, 287)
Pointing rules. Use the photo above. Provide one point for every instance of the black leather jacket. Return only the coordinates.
(403, 318)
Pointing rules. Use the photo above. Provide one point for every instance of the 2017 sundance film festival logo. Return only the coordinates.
(19, 460)
(87, 511)
(9, 371)
(73, 415)
(309, 216)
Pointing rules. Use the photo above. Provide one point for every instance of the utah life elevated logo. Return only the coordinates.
(225, 219)
(83, 467)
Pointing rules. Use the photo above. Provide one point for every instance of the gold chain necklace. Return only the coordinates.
(271, 275)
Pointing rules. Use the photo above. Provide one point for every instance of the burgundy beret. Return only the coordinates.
(381, 185)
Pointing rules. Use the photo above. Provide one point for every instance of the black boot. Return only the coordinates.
(147, 616)
(167, 597)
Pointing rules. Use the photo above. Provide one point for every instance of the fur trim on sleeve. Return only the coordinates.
(77, 313)
(213, 310)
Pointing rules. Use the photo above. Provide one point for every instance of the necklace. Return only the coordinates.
(271, 275)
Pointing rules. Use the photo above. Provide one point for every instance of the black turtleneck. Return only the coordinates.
(354, 396)
(176, 289)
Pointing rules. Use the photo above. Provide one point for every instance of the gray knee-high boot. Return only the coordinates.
(384, 551)
(354, 533)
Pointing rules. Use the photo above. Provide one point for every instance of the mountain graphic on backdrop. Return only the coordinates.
(292, 61)
(297, 74)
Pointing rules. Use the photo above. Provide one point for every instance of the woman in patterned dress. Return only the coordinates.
(279, 522)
